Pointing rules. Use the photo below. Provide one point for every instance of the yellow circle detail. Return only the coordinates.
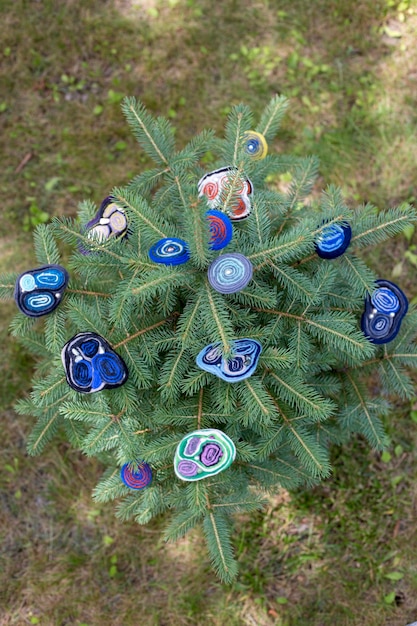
(255, 144)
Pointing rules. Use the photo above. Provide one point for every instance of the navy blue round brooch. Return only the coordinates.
(138, 478)
(169, 251)
(39, 291)
(91, 364)
(333, 240)
(384, 311)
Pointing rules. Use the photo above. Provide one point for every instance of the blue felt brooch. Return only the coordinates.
(91, 364)
(384, 311)
(169, 251)
(221, 229)
(241, 365)
(333, 240)
(139, 478)
(39, 291)
(230, 272)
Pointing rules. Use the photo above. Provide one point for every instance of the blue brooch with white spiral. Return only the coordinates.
(169, 251)
(230, 272)
(333, 240)
(384, 311)
(39, 291)
(241, 365)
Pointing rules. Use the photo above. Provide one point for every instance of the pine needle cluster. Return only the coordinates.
(309, 388)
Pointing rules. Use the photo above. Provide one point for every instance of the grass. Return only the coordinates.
(344, 552)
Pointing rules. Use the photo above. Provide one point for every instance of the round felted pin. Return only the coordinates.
(203, 453)
(384, 311)
(136, 475)
(169, 251)
(255, 145)
(39, 291)
(241, 365)
(333, 240)
(221, 229)
(91, 364)
(230, 273)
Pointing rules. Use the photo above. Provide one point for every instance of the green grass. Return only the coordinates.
(343, 553)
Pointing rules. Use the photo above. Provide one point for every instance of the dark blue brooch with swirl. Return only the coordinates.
(384, 312)
(169, 251)
(39, 291)
(91, 364)
(241, 365)
(136, 475)
(333, 240)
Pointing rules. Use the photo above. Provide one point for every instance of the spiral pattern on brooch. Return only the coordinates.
(230, 273)
(203, 453)
(91, 364)
(379, 326)
(241, 365)
(333, 240)
(385, 301)
(169, 251)
(255, 145)
(109, 221)
(138, 479)
(221, 229)
(39, 291)
(384, 311)
(110, 368)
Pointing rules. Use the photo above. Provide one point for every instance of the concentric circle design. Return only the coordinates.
(379, 326)
(334, 240)
(82, 373)
(39, 291)
(221, 229)
(384, 311)
(255, 145)
(203, 453)
(210, 190)
(91, 364)
(139, 478)
(241, 365)
(38, 301)
(169, 251)
(385, 301)
(27, 282)
(230, 273)
(109, 367)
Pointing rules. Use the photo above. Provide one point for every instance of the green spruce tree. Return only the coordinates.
(308, 386)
